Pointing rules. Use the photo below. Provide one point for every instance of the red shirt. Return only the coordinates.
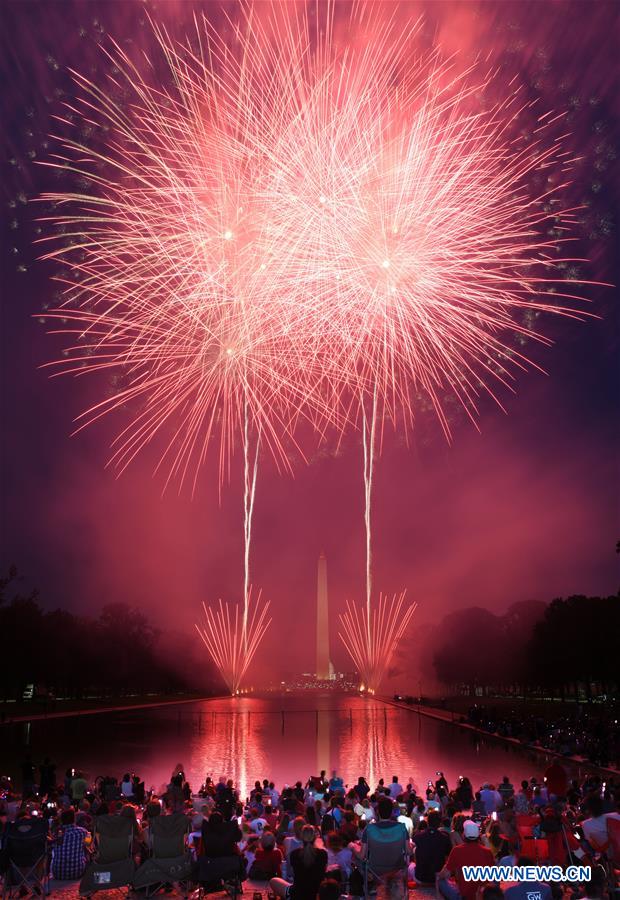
(471, 853)
(557, 781)
(269, 861)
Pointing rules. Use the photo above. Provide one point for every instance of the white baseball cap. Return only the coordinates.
(471, 830)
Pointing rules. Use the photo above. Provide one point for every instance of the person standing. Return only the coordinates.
(396, 789)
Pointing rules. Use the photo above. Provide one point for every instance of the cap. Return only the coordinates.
(471, 830)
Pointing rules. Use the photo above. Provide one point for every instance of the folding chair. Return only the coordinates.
(170, 860)
(26, 857)
(387, 858)
(224, 873)
(523, 821)
(613, 836)
(535, 848)
(113, 865)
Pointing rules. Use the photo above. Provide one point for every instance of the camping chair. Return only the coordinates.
(525, 820)
(613, 835)
(220, 873)
(113, 865)
(170, 860)
(25, 857)
(387, 858)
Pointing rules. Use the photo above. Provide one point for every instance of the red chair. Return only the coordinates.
(557, 848)
(524, 820)
(535, 848)
(613, 835)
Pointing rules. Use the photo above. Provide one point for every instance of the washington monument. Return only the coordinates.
(323, 668)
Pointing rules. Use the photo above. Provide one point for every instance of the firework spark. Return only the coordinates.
(294, 223)
(231, 645)
(372, 636)
(289, 226)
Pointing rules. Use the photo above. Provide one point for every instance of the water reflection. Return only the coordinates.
(283, 739)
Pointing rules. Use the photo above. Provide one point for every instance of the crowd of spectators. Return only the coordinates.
(310, 839)
(590, 734)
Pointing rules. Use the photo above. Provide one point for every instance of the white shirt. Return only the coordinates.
(342, 859)
(395, 790)
(407, 822)
(595, 829)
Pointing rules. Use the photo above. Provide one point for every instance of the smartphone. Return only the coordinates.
(494, 816)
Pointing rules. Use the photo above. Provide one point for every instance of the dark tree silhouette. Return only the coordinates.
(118, 653)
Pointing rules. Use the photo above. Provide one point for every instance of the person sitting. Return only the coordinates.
(348, 827)
(292, 842)
(83, 817)
(139, 843)
(522, 799)
(469, 853)
(524, 889)
(194, 838)
(595, 828)
(329, 889)
(256, 822)
(338, 856)
(385, 823)
(432, 848)
(69, 856)
(495, 840)
(456, 828)
(308, 864)
(267, 859)
(220, 838)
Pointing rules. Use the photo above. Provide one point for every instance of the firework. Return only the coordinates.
(232, 646)
(289, 226)
(372, 636)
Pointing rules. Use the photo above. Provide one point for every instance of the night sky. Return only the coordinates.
(524, 509)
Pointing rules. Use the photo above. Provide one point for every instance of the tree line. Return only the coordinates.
(567, 648)
(114, 654)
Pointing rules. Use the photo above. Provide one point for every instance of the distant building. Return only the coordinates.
(324, 668)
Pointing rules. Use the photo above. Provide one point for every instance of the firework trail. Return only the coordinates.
(293, 226)
(372, 636)
(230, 646)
